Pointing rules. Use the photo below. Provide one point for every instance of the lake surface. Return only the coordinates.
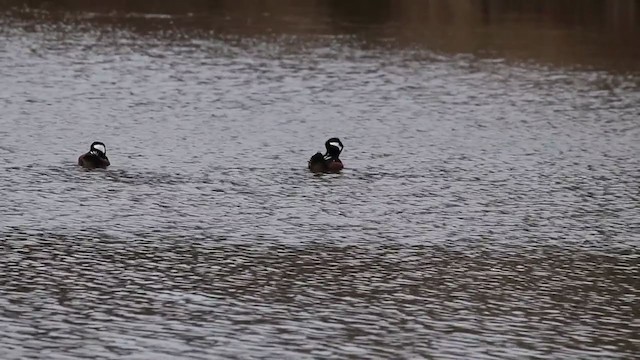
(489, 206)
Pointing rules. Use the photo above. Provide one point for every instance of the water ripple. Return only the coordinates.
(487, 209)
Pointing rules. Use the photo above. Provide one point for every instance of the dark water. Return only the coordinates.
(489, 207)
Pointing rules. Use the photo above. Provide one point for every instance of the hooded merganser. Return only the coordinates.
(329, 162)
(95, 158)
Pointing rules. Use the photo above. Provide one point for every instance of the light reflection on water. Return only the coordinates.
(487, 209)
(190, 295)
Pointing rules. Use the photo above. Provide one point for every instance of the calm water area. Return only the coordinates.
(489, 207)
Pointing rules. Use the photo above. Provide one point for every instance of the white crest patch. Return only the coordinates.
(100, 147)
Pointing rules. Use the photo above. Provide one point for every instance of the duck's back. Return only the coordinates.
(91, 161)
(316, 163)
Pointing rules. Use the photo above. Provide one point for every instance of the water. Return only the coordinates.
(488, 208)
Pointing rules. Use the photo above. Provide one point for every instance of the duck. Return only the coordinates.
(96, 158)
(330, 161)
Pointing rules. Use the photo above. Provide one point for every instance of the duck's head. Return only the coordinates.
(334, 148)
(99, 149)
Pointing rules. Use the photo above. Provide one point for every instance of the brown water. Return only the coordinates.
(489, 207)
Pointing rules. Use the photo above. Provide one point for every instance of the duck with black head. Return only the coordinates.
(329, 162)
(96, 158)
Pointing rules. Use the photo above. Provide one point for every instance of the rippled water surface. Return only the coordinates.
(489, 207)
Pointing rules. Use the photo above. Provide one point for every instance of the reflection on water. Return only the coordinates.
(193, 297)
(488, 209)
(596, 33)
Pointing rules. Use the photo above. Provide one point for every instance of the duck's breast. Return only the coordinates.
(335, 166)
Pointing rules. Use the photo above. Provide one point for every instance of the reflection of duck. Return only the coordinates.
(95, 158)
(330, 161)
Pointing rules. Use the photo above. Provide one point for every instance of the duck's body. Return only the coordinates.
(329, 162)
(96, 158)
